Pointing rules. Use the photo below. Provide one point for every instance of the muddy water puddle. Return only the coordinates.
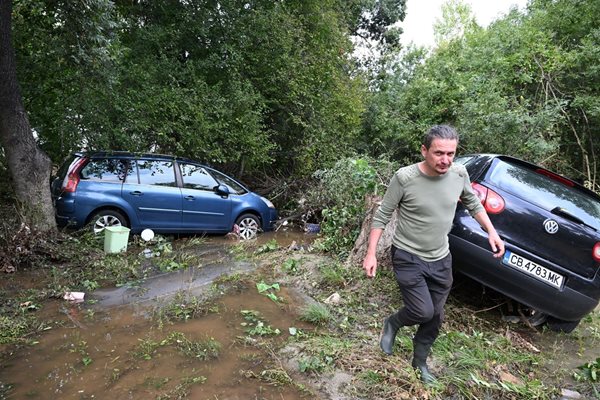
(124, 354)
(115, 347)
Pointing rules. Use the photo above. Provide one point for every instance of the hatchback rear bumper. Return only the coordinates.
(566, 303)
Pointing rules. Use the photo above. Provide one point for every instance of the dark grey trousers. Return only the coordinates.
(425, 287)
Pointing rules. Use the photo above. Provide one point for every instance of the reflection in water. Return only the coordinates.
(113, 350)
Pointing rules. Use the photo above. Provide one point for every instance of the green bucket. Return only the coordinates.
(115, 239)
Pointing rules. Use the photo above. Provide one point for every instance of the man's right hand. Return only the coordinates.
(370, 261)
(370, 265)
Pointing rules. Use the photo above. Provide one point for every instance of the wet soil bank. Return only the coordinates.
(208, 332)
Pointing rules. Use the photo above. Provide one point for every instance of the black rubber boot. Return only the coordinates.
(419, 362)
(388, 333)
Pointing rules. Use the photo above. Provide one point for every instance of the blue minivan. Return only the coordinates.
(164, 193)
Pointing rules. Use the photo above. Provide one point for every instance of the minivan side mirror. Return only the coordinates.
(222, 190)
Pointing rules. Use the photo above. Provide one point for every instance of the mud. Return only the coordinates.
(92, 356)
(110, 347)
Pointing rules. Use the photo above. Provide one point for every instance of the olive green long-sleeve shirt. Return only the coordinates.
(426, 209)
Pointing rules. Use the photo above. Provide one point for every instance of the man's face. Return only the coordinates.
(439, 156)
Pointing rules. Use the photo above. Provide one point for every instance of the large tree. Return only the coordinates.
(247, 85)
(527, 86)
(29, 166)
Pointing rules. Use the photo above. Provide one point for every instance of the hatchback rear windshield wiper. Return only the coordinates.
(566, 214)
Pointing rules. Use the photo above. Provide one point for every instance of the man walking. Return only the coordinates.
(426, 195)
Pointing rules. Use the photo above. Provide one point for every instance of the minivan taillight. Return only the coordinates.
(596, 252)
(72, 179)
(492, 201)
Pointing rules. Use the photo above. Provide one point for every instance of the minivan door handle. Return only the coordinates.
(136, 193)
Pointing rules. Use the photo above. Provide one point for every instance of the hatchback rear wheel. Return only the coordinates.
(249, 226)
(559, 325)
(105, 218)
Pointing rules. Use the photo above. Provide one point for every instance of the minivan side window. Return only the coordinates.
(159, 173)
(233, 186)
(196, 177)
(107, 170)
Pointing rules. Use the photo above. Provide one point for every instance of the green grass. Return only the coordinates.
(205, 349)
(182, 307)
(316, 313)
(146, 349)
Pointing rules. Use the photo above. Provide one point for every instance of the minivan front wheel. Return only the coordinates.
(105, 218)
(248, 225)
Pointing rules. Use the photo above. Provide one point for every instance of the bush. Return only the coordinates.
(340, 191)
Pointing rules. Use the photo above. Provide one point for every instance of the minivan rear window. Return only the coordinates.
(107, 170)
(545, 192)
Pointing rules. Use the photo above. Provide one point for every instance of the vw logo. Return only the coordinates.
(551, 226)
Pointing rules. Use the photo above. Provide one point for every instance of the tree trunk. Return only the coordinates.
(29, 166)
(359, 250)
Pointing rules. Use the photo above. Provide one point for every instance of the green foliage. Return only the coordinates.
(315, 364)
(90, 285)
(341, 191)
(205, 349)
(271, 245)
(525, 86)
(181, 308)
(81, 347)
(589, 371)
(146, 348)
(292, 266)
(268, 290)
(244, 87)
(256, 326)
(371, 377)
(333, 275)
(317, 314)
(12, 329)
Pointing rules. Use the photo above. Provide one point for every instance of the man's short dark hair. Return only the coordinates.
(439, 132)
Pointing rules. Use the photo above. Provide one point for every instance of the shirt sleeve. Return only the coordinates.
(390, 202)
(469, 198)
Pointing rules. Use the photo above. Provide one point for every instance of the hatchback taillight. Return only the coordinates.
(72, 179)
(596, 252)
(492, 201)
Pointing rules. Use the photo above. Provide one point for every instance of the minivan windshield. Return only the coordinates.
(546, 192)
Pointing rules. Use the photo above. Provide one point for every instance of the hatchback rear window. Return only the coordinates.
(545, 192)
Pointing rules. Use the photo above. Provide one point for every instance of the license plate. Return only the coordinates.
(529, 267)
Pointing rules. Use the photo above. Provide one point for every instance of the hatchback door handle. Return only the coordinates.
(136, 193)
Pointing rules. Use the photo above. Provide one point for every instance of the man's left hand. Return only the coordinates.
(496, 244)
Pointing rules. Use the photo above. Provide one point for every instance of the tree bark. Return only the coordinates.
(359, 250)
(29, 166)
